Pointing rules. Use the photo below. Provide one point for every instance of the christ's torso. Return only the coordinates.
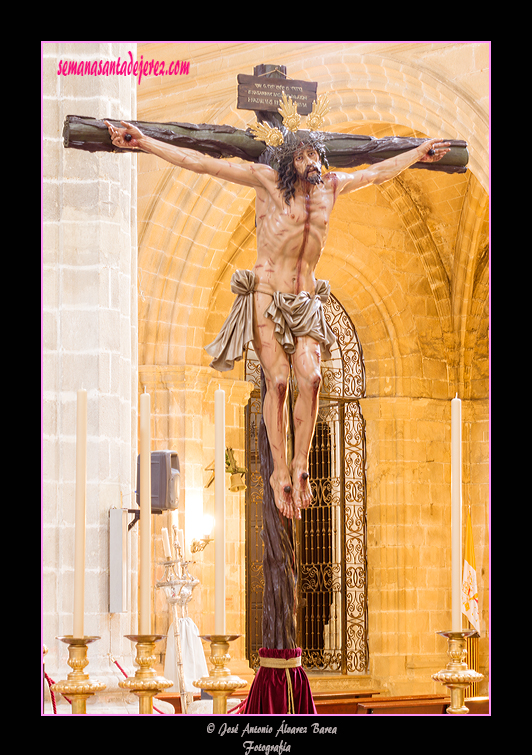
(290, 238)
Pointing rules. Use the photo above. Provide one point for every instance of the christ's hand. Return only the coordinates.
(436, 149)
(125, 138)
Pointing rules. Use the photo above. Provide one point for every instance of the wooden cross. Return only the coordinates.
(343, 150)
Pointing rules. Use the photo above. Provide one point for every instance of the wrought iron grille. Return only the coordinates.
(331, 535)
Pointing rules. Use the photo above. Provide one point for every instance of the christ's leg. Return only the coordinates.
(276, 368)
(306, 362)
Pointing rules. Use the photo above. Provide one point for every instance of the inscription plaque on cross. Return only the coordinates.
(263, 91)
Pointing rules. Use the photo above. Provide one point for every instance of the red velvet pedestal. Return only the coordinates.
(270, 691)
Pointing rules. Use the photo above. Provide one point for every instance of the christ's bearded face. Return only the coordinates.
(308, 165)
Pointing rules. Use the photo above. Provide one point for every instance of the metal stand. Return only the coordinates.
(78, 686)
(220, 683)
(145, 684)
(178, 585)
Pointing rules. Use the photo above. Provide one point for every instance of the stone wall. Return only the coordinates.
(90, 342)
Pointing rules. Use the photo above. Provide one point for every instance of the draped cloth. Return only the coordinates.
(281, 685)
(237, 331)
(294, 315)
(297, 315)
(193, 656)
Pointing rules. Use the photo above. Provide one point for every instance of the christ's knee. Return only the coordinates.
(280, 387)
(311, 383)
(277, 388)
(309, 389)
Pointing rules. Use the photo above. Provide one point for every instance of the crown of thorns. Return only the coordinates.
(273, 137)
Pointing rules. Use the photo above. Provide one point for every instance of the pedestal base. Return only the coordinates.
(145, 684)
(281, 685)
(220, 683)
(77, 687)
(456, 675)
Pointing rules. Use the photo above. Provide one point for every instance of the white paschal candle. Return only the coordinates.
(456, 514)
(145, 516)
(219, 512)
(80, 513)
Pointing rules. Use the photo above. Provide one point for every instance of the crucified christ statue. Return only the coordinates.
(279, 304)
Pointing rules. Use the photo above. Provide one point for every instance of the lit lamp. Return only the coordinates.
(200, 544)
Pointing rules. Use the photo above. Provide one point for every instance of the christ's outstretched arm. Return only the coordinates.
(430, 151)
(245, 174)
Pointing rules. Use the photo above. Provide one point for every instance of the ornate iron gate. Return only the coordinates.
(331, 535)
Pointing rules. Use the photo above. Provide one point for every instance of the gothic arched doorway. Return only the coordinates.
(331, 535)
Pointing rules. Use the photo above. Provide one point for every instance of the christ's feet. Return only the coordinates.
(282, 493)
(302, 493)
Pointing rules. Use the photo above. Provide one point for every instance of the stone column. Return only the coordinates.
(90, 342)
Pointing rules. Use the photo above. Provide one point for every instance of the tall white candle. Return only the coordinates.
(80, 513)
(219, 512)
(145, 516)
(456, 514)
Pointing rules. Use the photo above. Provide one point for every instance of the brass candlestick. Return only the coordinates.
(220, 682)
(77, 686)
(145, 684)
(456, 675)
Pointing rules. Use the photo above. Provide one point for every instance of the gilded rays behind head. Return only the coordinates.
(273, 137)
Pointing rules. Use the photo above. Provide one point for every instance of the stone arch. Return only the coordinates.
(397, 193)
(471, 282)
